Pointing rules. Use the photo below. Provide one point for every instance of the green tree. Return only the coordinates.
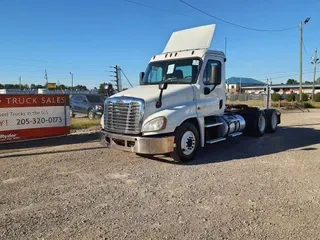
(33, 86)
(317, 97)
(292, 81)
(290, 97)
(1, 86)
(62, 86)
(318, 80)
(275, 97)
(106, 89)
(305, 97)
(308, 82)
(81, 88)
(39, 86)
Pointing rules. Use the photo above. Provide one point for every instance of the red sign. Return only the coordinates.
(24, 117)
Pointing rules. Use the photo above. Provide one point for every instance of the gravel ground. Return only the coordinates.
(266, 188)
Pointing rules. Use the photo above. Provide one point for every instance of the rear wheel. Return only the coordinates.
(186, 143)
(272, 120)
(256, 123)
(260, 124)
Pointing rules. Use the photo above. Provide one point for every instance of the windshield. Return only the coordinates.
(94, 98)
(174, 71)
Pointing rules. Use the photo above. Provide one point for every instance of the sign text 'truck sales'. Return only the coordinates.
(24, 117)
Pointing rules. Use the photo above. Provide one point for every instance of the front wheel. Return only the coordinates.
(91, 114)
(72, 115)
(186, 142)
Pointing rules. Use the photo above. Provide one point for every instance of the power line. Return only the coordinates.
(237, 25)
(125, 77)
(291, 75)
(305, 49)
(152, 7)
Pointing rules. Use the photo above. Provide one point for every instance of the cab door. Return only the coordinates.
(211, 87)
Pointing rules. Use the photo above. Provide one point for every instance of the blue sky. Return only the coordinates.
(86, 37)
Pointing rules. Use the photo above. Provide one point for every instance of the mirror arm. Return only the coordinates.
(214, 87)
(159, 103)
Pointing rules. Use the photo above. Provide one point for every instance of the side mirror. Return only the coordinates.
(206, 90)
(141, 76)
(163, 85)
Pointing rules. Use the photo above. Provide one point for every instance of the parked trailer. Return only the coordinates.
(180, 104)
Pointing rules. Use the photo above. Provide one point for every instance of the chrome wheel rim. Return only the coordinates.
(274, 121)
(262, 123)
(188, 143)
(91, 115)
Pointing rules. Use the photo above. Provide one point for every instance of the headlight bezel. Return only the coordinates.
(98, 107)
(148, 127)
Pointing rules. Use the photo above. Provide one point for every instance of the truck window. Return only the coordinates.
(208, 71)
(155, 75)
(180, 71)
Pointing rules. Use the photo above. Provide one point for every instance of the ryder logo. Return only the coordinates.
(8, 137)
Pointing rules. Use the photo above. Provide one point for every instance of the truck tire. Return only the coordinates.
(256, 123)
(91, 114)
(186, 142)
(72, 115)
(272, 120)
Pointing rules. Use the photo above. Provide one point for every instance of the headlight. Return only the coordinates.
(98, 107)
(155, 125)
(102, 121)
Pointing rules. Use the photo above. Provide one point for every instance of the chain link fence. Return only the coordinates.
(248, 99)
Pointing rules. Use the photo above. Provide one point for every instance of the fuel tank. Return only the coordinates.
(231, 123)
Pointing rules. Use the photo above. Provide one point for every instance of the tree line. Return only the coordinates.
(293, 81)
(35, 87)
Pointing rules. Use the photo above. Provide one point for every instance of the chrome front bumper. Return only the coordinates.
(142, 145)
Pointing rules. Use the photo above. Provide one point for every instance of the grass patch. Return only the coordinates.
(84, 123)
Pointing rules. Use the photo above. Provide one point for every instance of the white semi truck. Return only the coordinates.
(180, 104)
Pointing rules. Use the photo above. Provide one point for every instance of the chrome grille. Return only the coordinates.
(124, 115)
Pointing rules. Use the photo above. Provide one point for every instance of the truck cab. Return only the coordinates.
(180, 104)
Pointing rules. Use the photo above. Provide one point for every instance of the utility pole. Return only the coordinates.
(71, 82)
(301, 42)
(20, 83)
(46, 76)
(315, 62)
(117, 76)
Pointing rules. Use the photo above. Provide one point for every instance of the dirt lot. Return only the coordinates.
(266, 188)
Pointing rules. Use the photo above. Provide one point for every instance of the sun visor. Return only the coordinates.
(192, 38)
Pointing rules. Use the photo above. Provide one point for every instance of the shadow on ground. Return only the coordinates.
(25, 154)
(242, 147)
(51, 142)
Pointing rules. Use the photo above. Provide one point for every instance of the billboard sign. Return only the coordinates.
(51, 85)
(25, 117)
